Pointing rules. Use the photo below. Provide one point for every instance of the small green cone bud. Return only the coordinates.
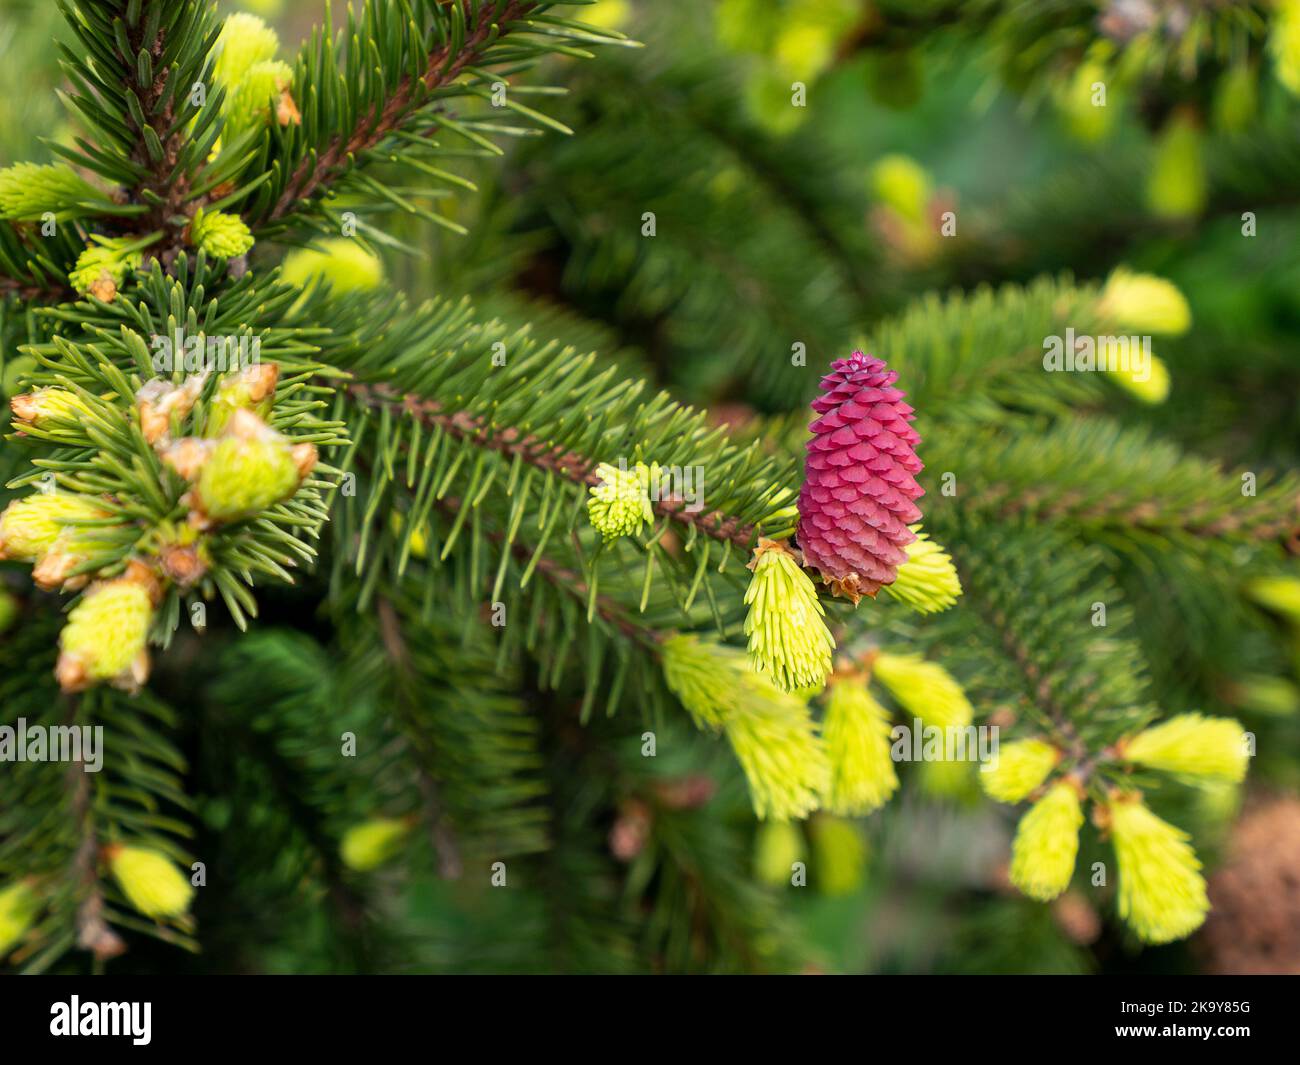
(105, 637)
(767, 99)
(1161, 891)
(1214, 747)
(30, 526)
(220, 235)
(159, 401)
(182, 552)
(1020, 769)
(901, 183)
(419, 541)
(927, 581)
(1236, 98)
(788, 637)
(856, 733)
(368, 845)
(777, 846)
(925, 689)
(1086, 120)
(251, 468)
(1047, 843)
(803, 49)
(1150, 386)
(1144, 303)
(620, 503)
(839, 859)
(73, 547)
(244, 40)
(1176, 186)
(1265, 694)
(30, 190)
(19, 907)
(151, 881)
(1278, 594)
(252, 388)
(102, 267)
(341, 263)
(1284, 44)
(607, 14)
(261, 97)
(43, 407)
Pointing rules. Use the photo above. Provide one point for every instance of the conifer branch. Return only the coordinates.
(483, 27)
(576, 468)
(450, 865)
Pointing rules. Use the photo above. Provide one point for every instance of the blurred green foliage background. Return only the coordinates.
(778, 224)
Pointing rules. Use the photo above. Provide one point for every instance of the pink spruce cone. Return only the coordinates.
(859, 479)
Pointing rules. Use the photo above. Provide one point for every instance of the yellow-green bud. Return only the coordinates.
(927, 581)
(221, 235)
(1189, 743)
(856, 734)
(105, 636)
(368, 845)
(73, 547)
(19, 906)
(620, 504)
(925, 689)
(151, 881)
(839, 861)
(1266, 694)
(1161, 890)
(607, 14)
(1086, 119)
(771, 731)
(245, 475)
(252, 389)
(29, 190)
(159, 402)
(788, 637)
(1021, 767)
(342, 263)
(1151, 388)
(1144, 303)
(702, 674)
(777, 846)
(42, 406)
(1279, 594)
(1236, 98)
(802, 50)
(257, 98)
(1047, 843)
(419, 541)
(1176, 186)
(901, 183)
(244, 40)
(30, 526)
(102, 267)
(1284, 44)
(776, 744)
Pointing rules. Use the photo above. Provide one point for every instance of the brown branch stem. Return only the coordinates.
(510, 442)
